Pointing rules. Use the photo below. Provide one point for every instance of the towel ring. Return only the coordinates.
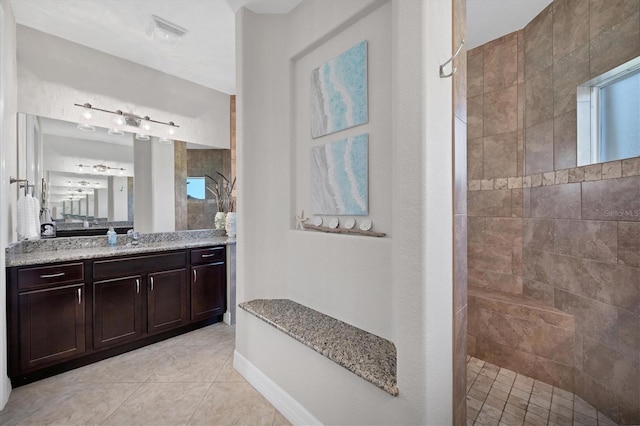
(450, 60)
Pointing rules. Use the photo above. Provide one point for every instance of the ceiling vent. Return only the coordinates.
(164, 31)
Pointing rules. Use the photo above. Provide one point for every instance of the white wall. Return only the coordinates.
(53, 74)
(399, 286)
(153, 186)
(8, 167)
(118, 199)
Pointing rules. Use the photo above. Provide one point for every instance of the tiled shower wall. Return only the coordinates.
(563, 235)
(197, 214)
(460, 312)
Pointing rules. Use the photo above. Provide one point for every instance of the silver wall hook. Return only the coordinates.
(450, 60)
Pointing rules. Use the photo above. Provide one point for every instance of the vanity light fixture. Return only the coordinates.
(113, 131)
(123, 119)
(85, 119)
(100, 168)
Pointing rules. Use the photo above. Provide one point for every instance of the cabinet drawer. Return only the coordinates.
(43, 276)
(114, 268)
(208, 255)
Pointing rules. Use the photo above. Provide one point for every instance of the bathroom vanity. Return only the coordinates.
(67, 308)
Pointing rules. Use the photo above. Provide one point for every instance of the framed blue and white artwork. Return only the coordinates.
(339, 177)
(339, 92)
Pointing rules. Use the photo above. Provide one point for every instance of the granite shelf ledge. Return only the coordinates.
(366, 355)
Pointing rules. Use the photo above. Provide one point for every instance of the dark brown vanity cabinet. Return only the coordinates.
(64, 315)
(208, 283)
(117, 311)
(50, 302)
(167, 300)
(150, 287)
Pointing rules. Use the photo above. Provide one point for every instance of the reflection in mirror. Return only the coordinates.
(90, 176)
(608, 112)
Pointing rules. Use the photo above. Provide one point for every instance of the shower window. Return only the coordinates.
(609, 115)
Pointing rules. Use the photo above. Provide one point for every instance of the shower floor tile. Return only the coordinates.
(497, 396)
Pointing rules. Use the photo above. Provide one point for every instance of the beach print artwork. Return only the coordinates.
(339, 92)
(339, 181)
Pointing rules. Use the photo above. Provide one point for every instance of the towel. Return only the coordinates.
(28, 218)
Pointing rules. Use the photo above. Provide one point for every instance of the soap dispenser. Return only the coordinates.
(112, 237)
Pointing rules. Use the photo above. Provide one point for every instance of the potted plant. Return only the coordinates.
(226, 216)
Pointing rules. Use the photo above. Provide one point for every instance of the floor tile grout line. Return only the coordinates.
(123, 401)
(200, 403)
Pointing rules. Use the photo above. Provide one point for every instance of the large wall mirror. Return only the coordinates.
(86, 179)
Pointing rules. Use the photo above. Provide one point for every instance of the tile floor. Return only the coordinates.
(497, 396)
(185, 380)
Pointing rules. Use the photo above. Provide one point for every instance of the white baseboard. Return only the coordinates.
(289, 407)
(226, 318)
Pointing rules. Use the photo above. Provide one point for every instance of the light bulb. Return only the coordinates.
(121, 171)
(119, 119)
(115, 132)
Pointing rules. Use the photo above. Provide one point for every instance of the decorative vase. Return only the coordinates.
(219, 220)
(230, 224)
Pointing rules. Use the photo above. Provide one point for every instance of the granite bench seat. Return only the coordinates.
(368, 356)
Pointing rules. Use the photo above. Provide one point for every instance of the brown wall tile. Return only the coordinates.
(629, 243)
(617, 285)
(500, 155)
(570, 26)
(460, 360)
(587, 239)
(558, 271)
(612, 199)
(475, 230)
(565, 141)
(610, 368)
(516, 203)
(538, 234)
(538, 155)
(604, 14)
(596, 394)
(525, 363)
(489, 258)
(475, 72)
(503, 231)
(489, 203)
(500, 111)
(533, 337)
(539, 98)
(474, 159)
(461, 264)
(556, 202)
(540, 292)
(475, 125)
(494, 281)
(501, 64)
(538, 43)
(568, 73)
(593, 319)
(615, 46)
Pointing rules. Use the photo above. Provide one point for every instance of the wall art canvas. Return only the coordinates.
(339, 177)
(339, 92)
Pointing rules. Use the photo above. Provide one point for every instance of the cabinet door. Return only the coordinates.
(52, 325)
(208, 290)
(117, 311)
(167, 297)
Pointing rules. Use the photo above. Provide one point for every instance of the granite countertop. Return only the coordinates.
(368, 356)
(81, 248)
